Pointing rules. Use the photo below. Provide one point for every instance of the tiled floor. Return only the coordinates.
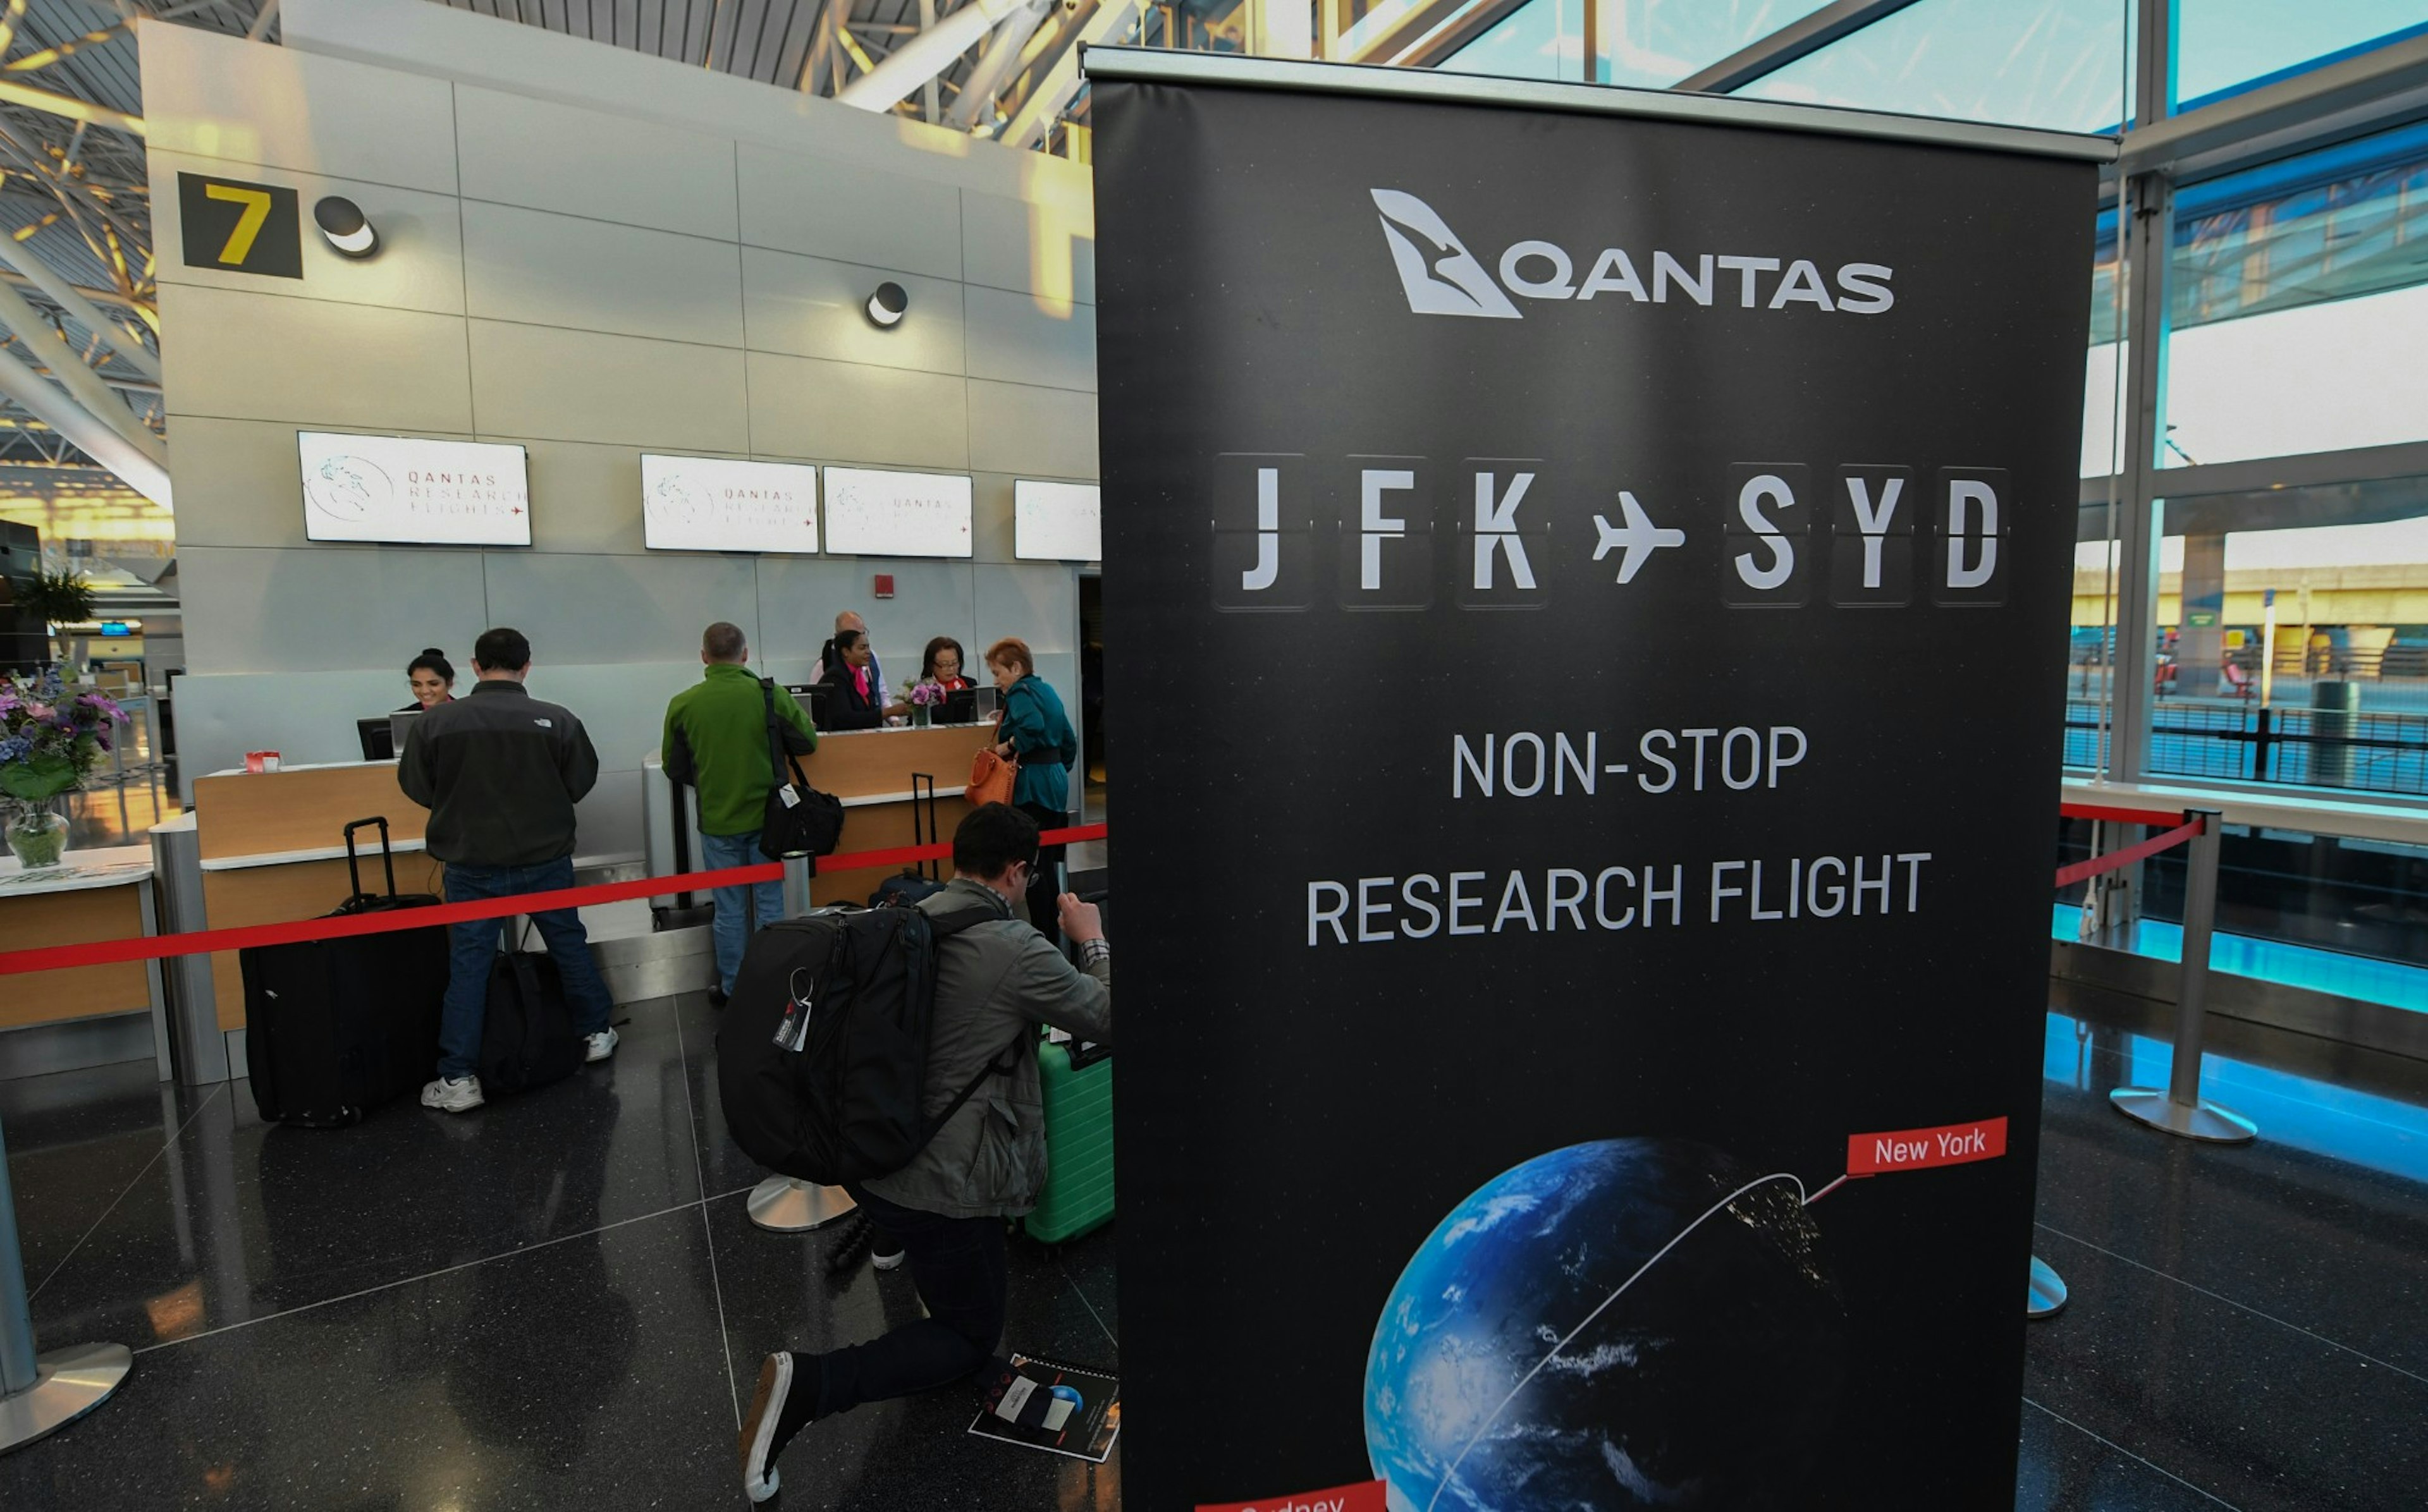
(556, 1302)
(546, 1304)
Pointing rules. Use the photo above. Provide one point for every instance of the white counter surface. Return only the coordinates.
(117, 866)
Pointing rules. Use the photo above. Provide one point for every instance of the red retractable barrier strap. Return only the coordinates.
(2120, 815)
(146, 948)
(2118, 860)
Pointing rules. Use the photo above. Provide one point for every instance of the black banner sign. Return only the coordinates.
(240, 227)
(1587, 597)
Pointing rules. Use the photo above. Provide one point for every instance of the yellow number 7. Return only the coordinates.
(248, 225)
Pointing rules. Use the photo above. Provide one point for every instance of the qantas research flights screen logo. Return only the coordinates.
(1441, 277)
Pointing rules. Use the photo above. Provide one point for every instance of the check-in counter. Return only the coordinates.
(90, 895)
(271, 846)
(871, 772)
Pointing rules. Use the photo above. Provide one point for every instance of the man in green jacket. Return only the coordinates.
(717, 740)
(996, 980)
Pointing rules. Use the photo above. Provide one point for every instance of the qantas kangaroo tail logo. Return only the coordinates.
(1440, 275)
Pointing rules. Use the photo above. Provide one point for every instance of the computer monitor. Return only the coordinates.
(814, 695)
(961, 707)
(383, 735)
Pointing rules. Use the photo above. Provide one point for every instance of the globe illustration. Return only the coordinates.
(349, 488)
(1603, 1328)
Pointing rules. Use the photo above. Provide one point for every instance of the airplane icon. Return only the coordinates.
(1640, 538)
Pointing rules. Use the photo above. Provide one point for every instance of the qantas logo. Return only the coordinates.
(1441, 277)
(1455, 284)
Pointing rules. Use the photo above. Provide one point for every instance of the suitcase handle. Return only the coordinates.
(387, 855)
(923, 792)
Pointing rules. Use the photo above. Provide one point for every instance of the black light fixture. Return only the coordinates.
(887, 306)
(349, 230)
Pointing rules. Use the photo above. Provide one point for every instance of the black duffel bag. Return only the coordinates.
(798, 819)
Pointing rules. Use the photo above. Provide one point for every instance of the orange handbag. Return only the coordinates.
(990, 778)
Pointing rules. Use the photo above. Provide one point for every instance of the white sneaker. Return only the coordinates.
(454, 1094)
(884, 1262)
(599, 1045)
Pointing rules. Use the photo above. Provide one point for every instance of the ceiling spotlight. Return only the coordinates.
(343, 221)
(887, 306)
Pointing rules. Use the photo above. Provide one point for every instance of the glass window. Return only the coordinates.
(2227, 46)
(2295, 630)
(2059, 64)
(2103, 417)
(1648, 43)
(2299, 303)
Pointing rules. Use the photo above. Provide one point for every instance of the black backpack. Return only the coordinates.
(526, 1034)
(822, 1056)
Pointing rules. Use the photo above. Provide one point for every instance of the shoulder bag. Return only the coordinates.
(799, 819)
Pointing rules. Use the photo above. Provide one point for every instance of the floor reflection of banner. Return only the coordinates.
(1589, 591)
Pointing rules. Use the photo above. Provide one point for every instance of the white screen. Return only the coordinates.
(898, 514)
(717, 504)
(394, 488)
(1057, 522)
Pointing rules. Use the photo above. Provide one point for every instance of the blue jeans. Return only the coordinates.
(738, 909)
(474, 949)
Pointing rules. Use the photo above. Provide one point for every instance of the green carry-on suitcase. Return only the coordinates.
(1078, 1195)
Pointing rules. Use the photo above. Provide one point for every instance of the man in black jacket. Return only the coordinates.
(500, 772)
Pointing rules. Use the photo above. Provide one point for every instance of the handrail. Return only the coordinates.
(2398, 822)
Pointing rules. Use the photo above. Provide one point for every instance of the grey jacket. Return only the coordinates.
(996, 982)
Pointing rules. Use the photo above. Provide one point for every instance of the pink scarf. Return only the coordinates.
(860, 680)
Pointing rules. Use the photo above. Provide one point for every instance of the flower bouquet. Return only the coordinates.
(924, 696)
(52, 736)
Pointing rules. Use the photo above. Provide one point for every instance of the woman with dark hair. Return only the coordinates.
(942, 665)
(432, 677)
(854, 700)
(1036, 730)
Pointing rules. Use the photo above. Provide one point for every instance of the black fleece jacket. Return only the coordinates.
(499, 771)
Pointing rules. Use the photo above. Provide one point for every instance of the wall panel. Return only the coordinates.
(844, 411)
(545, 269)
(579, 386)
(812, 307)
(420, 266)
(327, 608)
(616, 610)
(1036, 433)
(1018, 338)
(797, 203)
(244, 356)
(600, 164)
(219, 97)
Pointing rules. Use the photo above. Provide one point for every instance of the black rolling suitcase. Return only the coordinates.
(335, 1027)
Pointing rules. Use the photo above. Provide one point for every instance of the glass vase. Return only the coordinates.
(919, 716)
(37, 837)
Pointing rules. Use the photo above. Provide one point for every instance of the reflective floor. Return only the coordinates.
(557, 1301)
(545, 1304)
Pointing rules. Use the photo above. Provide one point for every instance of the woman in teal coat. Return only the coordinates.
(1038, 732)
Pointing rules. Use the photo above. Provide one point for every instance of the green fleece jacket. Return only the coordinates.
(717, 740)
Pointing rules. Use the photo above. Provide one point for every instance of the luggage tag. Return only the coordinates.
(793, 1030)
(791, 799)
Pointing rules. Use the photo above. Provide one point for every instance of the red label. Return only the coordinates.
(1912, 1149)
(1366, 1496)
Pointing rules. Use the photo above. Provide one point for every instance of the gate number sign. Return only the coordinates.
(240, 228)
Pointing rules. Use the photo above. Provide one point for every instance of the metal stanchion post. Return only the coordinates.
(783, 1203)
(41, 1394)
(798, 870)
(2046, 1292)
(2179, 1109)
